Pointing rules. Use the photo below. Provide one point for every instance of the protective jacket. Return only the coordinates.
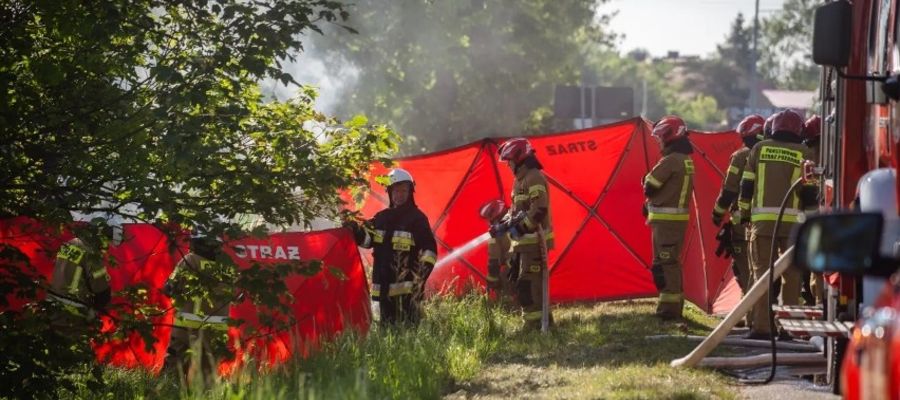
(668, 187)
(530, 194)
(772, 166)
(404, 250)
(79, 274)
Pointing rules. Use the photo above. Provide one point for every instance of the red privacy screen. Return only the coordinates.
(602, 247)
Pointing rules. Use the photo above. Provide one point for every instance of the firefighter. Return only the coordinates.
(498, 277)
(202, 290)
(668, 189)
(772, 167)
(751, 131)
(813, 290)
(404, 251)
(528, 219)
(80, 282)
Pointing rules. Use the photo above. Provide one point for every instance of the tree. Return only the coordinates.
(737, 50)
(699, 112)
(786, 46)
(444, 73)
(150, 110)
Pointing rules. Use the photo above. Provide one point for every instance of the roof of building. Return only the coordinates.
(794, 99)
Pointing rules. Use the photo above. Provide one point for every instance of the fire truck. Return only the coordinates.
(857, 46)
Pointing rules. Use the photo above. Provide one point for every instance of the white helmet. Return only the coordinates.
(398, 175)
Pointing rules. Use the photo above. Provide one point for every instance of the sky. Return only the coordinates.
(692, 27)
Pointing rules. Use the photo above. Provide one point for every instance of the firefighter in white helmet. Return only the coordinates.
(404, 251)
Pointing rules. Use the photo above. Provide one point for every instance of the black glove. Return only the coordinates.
(358, 233)
(724, 238)
(717, 219)
(498, 229)
(645, 211)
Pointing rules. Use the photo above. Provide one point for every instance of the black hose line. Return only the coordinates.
(771, 315)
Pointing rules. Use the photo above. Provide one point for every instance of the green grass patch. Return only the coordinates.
(450, 345)
(601, 351)
(467, 348)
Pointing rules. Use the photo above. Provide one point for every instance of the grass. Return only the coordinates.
(466, 348)
(600, 351)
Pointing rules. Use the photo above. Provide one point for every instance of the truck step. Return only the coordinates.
(798, 312)
(803, 328)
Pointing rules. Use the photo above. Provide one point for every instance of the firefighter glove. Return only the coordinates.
(725, 244)
(645, 211)
(509, 224)
(358, 233)
(717, 218)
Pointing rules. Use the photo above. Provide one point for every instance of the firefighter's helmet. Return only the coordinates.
(788, 121)
(767, 127)
(493, 210)
(751, 127)
(515, 150)
(669, 129)
(398, 175)
(812, 128)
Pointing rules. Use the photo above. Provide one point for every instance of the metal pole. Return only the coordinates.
(753, 85)
(644, 98)
(545, 282)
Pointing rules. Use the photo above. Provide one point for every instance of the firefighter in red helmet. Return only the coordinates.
(668, 189)
(772, 167)
(528, 220)
(498, 283)
(733, 232)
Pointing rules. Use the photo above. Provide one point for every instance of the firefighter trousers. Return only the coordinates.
(529, 286)
(668, 238)
(791, 280)
(500, 289)
(399, 309)
(740, 260)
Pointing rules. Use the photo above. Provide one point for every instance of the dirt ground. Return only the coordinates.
(599, 352)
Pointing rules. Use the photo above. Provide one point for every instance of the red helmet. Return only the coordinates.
(493, 209)
(788, 121)
(668, 129)
(812, 128)
(751, 127)
(515, 150)
(767, 127)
